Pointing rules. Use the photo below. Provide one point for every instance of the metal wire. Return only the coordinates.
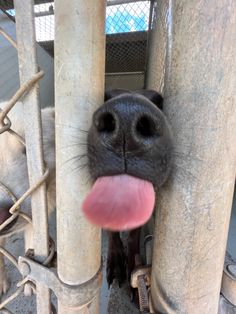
(12, 297)
(14, 210)
(21, 91)
(8, 37)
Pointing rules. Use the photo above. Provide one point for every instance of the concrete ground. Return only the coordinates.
(113, 301)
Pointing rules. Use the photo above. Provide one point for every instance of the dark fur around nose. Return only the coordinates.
(129, 135)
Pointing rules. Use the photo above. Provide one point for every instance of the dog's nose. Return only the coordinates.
(126, 128)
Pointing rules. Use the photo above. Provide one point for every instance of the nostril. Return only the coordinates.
(106, 123)
(145, 127)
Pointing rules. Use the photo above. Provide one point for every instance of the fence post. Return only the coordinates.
(79, 88)
(157, 46)
(194, 207)
(26, 46)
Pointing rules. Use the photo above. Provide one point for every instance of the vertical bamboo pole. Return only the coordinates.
(194, 207)
(79, 89)
(28, 66)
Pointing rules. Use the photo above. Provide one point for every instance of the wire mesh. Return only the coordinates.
(127, 25)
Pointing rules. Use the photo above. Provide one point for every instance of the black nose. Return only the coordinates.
(126, 127)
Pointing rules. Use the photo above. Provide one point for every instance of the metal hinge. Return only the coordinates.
(69, 295)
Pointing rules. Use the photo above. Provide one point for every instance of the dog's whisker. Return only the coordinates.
(73, 127)
(75, 158)
(75, 144)
(80, 167)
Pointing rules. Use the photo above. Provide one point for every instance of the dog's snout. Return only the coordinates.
(130, 135)
(125, 129)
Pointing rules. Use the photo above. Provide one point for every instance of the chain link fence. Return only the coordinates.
(127, 29)
(15, 210)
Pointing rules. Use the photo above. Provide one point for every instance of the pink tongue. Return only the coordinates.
(119, 202)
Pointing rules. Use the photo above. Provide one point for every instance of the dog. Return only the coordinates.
(14, 175)
(129, 157)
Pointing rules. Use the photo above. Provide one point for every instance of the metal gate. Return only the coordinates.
(195, 62)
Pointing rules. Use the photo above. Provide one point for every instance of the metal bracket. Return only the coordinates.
(140, 279)
(228, 287)
(141, 271)
(69, 295)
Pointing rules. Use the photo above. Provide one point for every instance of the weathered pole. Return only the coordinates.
(79, 88)
(200, 102)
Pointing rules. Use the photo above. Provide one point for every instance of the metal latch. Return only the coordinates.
(69, 295)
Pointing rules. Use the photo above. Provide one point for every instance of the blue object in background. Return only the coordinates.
(123, 22)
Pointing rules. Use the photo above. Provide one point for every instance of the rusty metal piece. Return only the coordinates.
(228, 285)
(140, 279)
(140, 271)
(52, 252)
(71, 296)
(142, 294)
